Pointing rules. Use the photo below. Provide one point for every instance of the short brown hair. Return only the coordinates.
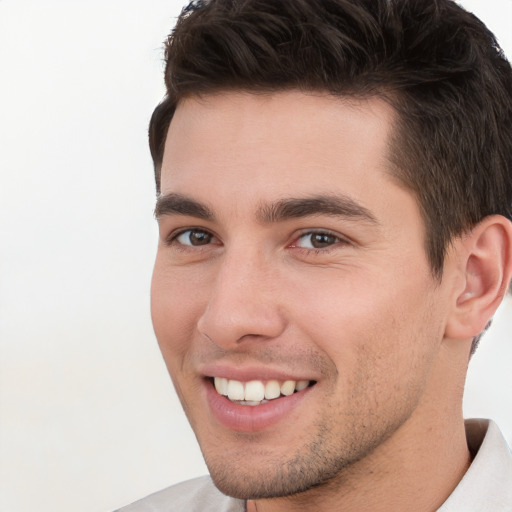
(437, 64)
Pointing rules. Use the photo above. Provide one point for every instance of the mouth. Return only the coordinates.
(260, 400)
(258, 392)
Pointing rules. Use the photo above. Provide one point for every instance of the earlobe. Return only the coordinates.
(486, 264)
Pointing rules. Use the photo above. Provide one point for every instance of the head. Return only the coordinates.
(417, 91)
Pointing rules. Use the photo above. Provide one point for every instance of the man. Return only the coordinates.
(334, 201)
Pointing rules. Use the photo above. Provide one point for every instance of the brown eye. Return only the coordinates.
(194, 237)
(317, 240)
(321, 240)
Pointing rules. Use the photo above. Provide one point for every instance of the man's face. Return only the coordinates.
(288, 253)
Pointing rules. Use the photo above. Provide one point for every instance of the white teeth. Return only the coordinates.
(301, 384)
(254, 391)
(221, 385)
(272, 389)
(235, 390)
(288, 387)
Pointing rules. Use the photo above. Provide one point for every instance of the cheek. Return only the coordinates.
(383, 349)
(370, 327)
(175, 309)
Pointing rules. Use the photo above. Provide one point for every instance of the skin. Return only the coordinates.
(361, 315)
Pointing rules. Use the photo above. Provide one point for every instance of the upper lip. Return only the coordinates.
(249, 373)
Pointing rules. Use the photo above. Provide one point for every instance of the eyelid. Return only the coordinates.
(341, 239)
(172, 237)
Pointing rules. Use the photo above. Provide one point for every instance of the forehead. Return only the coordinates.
(243, 147)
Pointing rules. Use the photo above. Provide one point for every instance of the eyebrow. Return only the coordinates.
(279, 211)
(330, 205)
(177, 204)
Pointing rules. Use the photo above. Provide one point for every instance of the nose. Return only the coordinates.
(243, 304)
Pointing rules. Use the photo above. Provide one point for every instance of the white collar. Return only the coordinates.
(487, 484)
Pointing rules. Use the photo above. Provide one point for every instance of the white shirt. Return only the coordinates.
(487, 484)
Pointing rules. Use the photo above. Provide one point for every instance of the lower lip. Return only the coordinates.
(249, 418)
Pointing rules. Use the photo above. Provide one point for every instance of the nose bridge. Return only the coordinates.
(243, 302)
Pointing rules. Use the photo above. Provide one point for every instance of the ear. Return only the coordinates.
(486, 266)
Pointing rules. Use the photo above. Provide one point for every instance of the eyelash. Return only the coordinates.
(324, 233)
(172, 240)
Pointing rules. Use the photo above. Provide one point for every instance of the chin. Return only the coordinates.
(246, 478)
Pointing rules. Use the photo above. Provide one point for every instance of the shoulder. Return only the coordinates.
(197, 495)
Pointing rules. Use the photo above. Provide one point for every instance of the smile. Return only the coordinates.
(257, 392)
(253, 404)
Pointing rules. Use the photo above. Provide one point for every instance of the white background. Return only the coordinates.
(89, 420)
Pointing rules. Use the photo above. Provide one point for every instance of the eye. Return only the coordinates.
(317, 240)
(193, 237)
